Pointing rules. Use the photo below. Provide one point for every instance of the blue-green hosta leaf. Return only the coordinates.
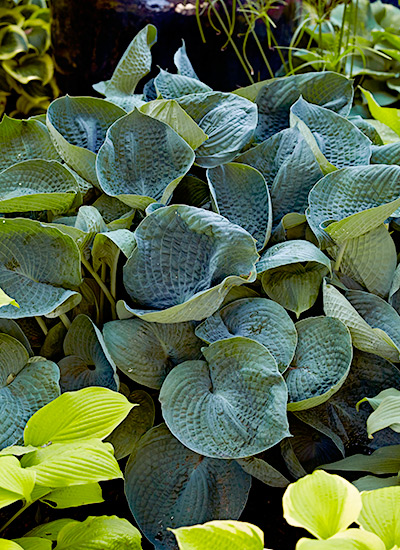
(220, 535)
(36, 261)
(169, 486)
(339, 140)
(257, 318)
(99, 533)
(73, 496)
(189, 286)
(182, 62)
(170, 112)
(112, 209)
(292, 274)
(35, 185)
(78, 127)
(321, 362)
(369, 260)
(142, 160)
(146, 352)
(24, 140)
(374, 325)
(172, 86)
(231, 405)
(22, 395)
(107, 247)
(15, 482)
(87, 361)
(228, 120)
(352, 201)
(125, 437)
(276, 96)
(380, 514)
(394, 295)
(10, 327)
(260, 469)
(132, 67)
(240, 194)
(386, 154)
(89, 413)
(370, 131)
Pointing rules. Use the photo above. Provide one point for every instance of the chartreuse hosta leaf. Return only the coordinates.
(132, 67)
(231, 405)
(292, 274)
(89, 413)
(6, 300)
(35, 185)
(369, 260)
(169, 486)
(16, 483)
(142, 160)
(10, 545)
(73, 496)
(352, 201)
(146, 352)
(36, 262)
(374, 325)
(351, 539)
(192, 285)
(257, 318)
(126, 436)
(386, 412)
(170, 112)
(78, 127)
(172, 86)
(220, 535)
(240, 193)
(30, 67)
(388, 115)
(13, 40)
(87, 361)
(322, 503)
(380, 514)
(24, 140)
(227, 119)
(321, 362)
(49, 530)
(275, 97)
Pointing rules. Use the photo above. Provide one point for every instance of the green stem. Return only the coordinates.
(103, 273)
(42, 325)
(278, 49)
(65, 321)
(99, 282)
(339, 257)
(17, 514)
(354, 38)
(339, 51)
(203, 38)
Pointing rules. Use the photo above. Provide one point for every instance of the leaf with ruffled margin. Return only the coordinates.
(214, 256)
(13, 40)
(173, 86)
(36, 261)
(182, 62)
(23, 392)
(286, 280)
(321, 363)
(240, 194)
(78, 127)
(276, 96)
(228, 120)
(87, 361)
(374, 325)
(352, 201)
(142, 160)
(257, 318)
(220, 535)
(170, 112)
(24, 140)
(169, 486)
(380, 514)
(146, 352)
(339, 141)
(35, 185)
(30, 67)
(231, 405)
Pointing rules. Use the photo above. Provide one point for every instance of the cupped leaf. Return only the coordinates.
(321, 363)
(107, 247)
(88, 413)
(227, 119)
(172, 86)
(322, 503)
(292, 274)
(23, 393)
(276, 96)
(30, 67)
(257, 318)
(220, 535)
(182, 62)
(78, 127)
(380, 514)
(35, 185)
(351, 539)
(36, 261)
(15, 482)
(146, 352)
(169, 486)
(192, 285)
(240, 194)
(87, 361)
(142, 160)
(13, 40)
(350, 202)
(232, 405)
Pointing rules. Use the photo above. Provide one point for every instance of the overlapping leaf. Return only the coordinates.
(220, 535)
(172, 86)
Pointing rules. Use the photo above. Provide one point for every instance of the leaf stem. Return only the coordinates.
(65, 321)
(99, 282)
(42, 325)
(339, 257)
(17, 514)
